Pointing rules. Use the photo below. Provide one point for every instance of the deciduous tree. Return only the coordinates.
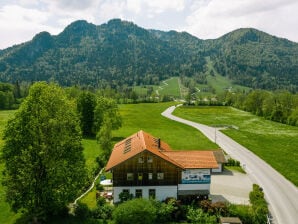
(43, 155)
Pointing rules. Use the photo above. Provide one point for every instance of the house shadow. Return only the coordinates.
(225, 172)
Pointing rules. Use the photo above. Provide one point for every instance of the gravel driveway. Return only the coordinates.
(230, 186)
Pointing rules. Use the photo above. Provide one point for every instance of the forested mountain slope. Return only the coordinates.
(121, 53)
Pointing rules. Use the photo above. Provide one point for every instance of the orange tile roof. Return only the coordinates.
(136, 144)
(193, 159)
(142, 141)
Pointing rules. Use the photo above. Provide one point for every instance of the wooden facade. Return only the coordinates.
(146, 169)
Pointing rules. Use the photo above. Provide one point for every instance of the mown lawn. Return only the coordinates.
(147, 117)
(274, 142)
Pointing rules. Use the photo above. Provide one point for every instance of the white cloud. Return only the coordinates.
(20, 20)
(19, 24)
(134, 6)
(218, 17)
(158, 6)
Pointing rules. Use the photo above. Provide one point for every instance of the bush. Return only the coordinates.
(233, 162)
(125, 196)
(197, 216)
(136, 211)
(259, 204)
(166, 211)
(82, 211)
(103, 212)
(217, 208)
(99, 187)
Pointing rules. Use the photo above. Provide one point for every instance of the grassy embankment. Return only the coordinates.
(274, 142)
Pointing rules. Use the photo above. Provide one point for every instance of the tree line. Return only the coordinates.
(11, 95)
(279, 106)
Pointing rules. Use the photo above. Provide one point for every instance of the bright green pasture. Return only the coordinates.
(170, 87)
(147, 117)
(274, 142)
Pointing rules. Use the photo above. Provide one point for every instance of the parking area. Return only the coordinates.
(231, 186)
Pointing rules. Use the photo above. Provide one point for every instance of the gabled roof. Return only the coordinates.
(142, 141)
(136, 144)
(193, 159)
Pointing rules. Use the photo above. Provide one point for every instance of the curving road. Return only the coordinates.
(281, 195)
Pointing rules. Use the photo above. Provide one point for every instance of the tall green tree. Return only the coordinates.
(106, 119)
(43, 155)
(106, 108)
(86, 104)
(104, 137)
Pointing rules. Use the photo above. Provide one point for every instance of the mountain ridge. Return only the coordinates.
(123, 53)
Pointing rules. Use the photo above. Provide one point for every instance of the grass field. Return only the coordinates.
(169, 87)
(218, 82)
(147, 117)
(274, 142)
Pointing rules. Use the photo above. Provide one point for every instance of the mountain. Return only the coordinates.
(254, 58)
(121, 53)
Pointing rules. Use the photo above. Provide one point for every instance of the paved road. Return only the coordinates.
(281, 194)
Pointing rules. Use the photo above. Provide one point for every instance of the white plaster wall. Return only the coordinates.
(162, 192)
(185, 187)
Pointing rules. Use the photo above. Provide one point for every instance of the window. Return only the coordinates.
(149, 159)
(140, 176)
(152, 193)
(129, 176)
(126, 191)
(160, 176)
(139, 193)
(150, 176)
(141, 159)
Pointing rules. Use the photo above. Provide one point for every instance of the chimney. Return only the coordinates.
(158, 143)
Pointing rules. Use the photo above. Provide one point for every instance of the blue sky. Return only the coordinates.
(20, 20)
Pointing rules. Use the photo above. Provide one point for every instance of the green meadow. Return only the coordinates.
(147, 117)
(169, 87)
(274, 142)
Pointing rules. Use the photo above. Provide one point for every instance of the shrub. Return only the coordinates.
(82, 211)
(217, 208)
(99, 187)
(198, 216)
(103, 212)
(125, 196)
(137, 211)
